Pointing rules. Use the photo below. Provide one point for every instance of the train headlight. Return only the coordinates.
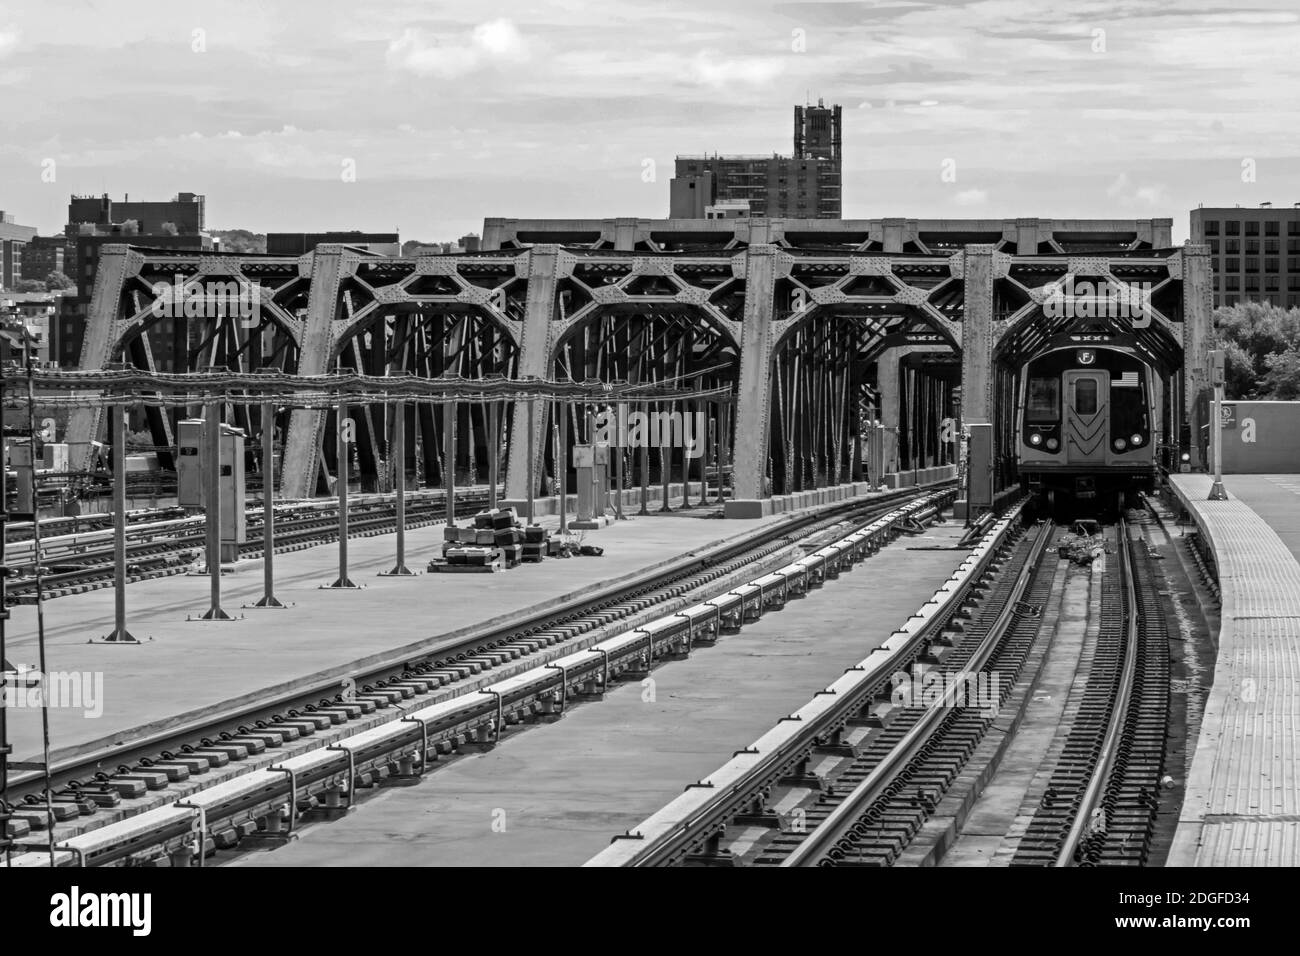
(1187, 456)
(1053, 444)
(1136, 440)
(1120, 444)
(1035, 439)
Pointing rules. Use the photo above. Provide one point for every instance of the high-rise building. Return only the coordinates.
(298, 243)
(805, 185)
(46, 254)
(13, 241)
(95, 221)
(1254, 253)
(185, 214)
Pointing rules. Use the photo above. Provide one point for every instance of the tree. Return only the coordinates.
(1239, 371)
(130, 227)
(56, 281)
(239, 240)
(29, 285)
(169, 229)
(1282, 382)
(1250, 334)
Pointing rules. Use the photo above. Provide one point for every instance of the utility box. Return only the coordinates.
(592, 465)
(191, 479)
(600, 478)
(20, 459)
(189, 467)
(234, 530)
(54, 457)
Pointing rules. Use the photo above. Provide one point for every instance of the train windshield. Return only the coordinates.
(1044, 400)
(1085, 396)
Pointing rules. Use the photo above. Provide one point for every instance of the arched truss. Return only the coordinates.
(189, 313)
(833, 318)
(624, 318)
(1138, 296)
(644, 342)
(435, 318)
(593, 282)
(1131, 300)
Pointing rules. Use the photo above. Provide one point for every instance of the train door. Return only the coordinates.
(1087, 416)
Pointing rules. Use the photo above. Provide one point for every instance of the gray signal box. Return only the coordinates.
(189, 469)
(591, 463)
(191, 481)
(233, 524)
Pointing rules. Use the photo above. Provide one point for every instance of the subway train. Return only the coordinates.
(1085, 427)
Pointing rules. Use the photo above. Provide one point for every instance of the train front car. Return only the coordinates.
(1086, 428)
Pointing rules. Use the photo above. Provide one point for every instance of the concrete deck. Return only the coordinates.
(554, 794)
(1242, 806)
(183, 668)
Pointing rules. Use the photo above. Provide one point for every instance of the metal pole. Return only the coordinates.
(618, 469)
(341, 469)
(449, 459)
(1217, 492)
(701, 437)
(645, 458)
(494, 451)
(268, 508)
(562, 464)
(720, 449)
(665, 466)
(212, 434)
(5, 667)
(120, 634)
(399, 477)
(532, 462)
(40, 603)
(686, 461)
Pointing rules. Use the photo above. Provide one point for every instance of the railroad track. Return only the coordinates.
(159, 549)
(1101, 802)
(859, 772)
(403, 723)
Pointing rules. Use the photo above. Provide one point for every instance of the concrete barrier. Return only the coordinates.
(780, 504)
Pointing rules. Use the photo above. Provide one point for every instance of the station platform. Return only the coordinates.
(184, 670)
(1242, 801)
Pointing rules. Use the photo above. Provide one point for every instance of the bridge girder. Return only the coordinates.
(516, 308)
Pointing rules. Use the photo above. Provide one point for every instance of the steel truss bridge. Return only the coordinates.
(815, 329)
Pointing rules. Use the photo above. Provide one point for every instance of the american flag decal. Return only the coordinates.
(1126, 380)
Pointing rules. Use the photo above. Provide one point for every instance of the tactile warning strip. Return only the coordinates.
(1242, 803)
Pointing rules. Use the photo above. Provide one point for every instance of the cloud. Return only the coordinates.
(710, 68)
(971, 197)
(1127, 192)
(491, 42)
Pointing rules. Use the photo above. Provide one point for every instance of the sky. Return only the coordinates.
(426, 117)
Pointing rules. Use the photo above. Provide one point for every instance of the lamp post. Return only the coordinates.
(1217, 492)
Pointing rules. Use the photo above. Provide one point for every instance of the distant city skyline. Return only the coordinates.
(447, 114)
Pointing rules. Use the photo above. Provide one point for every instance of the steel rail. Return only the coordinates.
(1105, 764)
(816, 845)
(323, 688)
(441, 723)
(741, 787)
